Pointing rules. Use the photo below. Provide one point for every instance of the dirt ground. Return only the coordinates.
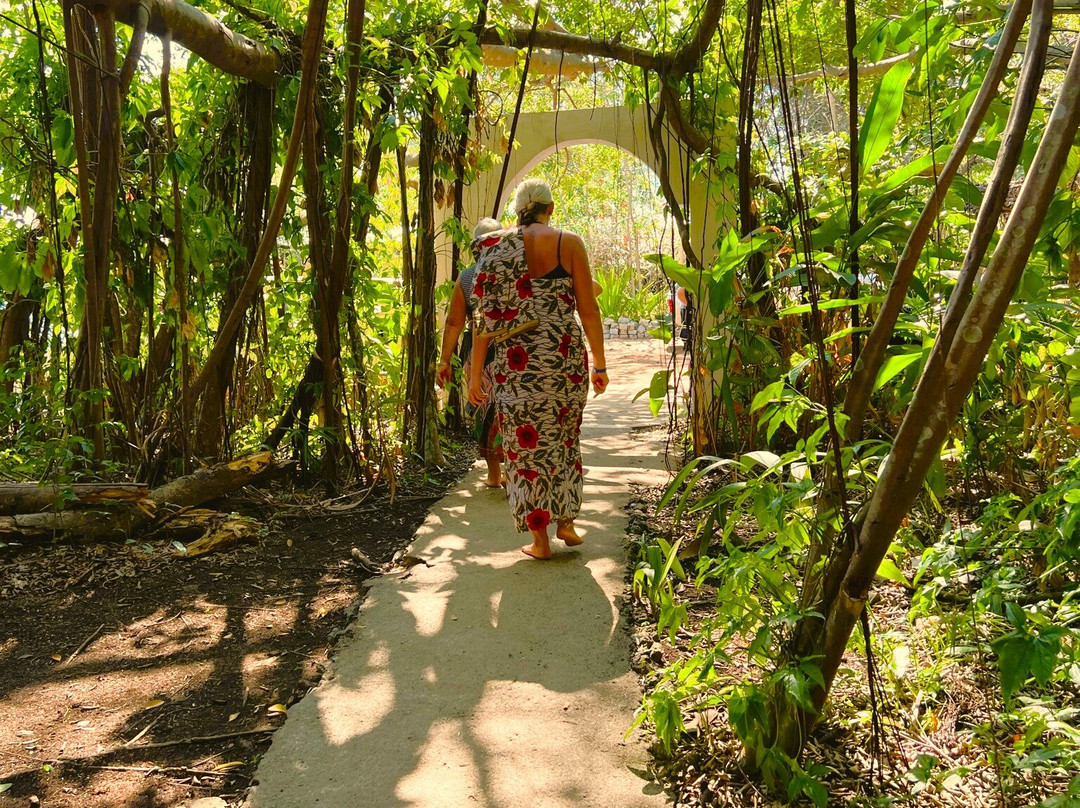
(131, 675)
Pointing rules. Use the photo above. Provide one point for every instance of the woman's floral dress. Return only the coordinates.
(541, 382)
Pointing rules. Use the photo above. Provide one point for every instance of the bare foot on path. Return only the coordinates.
(569, 534)
(499, 483)
(538, 553)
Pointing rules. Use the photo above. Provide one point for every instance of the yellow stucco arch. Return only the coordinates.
(540, 134)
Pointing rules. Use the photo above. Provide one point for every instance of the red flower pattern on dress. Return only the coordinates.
(524, 287)
(569, 443)
(567, 299)
(538, 519)
(517, 358)
(563, 412)
(500, 378)
(494, 313)
(478, 286)
(510, 314)
(528, 474)
(576, 378)
(527, 436)
(512, 455)
(578, 467)
(564, 345)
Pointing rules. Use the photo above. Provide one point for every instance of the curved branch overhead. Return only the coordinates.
(677, 62)
(669, 64)
(689, 55)
(200, 33)
(518, 37)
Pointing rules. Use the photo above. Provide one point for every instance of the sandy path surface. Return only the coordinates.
(485, 678)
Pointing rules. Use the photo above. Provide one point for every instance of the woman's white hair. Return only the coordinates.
(533, 192)
(485, 226)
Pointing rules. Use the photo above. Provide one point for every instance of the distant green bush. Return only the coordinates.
(627, 294)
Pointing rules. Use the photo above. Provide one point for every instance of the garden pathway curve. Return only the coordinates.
(484, 678)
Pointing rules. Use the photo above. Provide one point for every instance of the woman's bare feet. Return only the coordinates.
(540, 547)
(494, 475)
(568, 533)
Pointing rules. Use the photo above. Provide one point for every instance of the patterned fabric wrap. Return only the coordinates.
(485, 422)
(467, 279)
(540, 383)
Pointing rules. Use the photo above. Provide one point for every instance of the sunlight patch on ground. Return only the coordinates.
(350, 712)
(447, 767)
(258, 627)
(94, 706)
(428, 609)
(495, 600)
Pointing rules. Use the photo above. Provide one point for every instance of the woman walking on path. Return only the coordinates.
(529, 284)
(462, 309)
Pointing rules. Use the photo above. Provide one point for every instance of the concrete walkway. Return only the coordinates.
(489, 679)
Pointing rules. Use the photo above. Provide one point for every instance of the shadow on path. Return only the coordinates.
(484, 678)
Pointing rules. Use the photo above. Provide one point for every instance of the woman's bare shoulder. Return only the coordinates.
(570, 237)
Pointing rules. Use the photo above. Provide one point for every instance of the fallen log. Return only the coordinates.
(16, 498)
(190, 491)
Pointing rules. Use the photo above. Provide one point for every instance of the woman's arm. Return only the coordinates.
(455, 322)
(477, 395)
(588, 309)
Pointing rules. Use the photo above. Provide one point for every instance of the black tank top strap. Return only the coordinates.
(559, 271)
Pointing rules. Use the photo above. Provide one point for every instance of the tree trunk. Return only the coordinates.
(257, 143)
(26, 498)
(312, 47)
(748, 218)
(327, 332)
(943, 387)
(420, 351)
(873, 354)
(14, 331)
(331, 284)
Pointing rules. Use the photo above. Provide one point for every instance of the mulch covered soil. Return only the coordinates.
(131, 675)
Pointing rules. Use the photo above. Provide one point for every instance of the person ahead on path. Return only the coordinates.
(462, 309)
(529, 284)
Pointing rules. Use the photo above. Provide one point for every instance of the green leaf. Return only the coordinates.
(1044, 655)
(658, 389)
(837, 303)
(767, 459)
(882, 114)
(892, 366)
(890, 572)
(10, 268)
(1015, 652)
(686, 277)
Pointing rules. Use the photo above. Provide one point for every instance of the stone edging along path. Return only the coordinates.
(483, 677)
